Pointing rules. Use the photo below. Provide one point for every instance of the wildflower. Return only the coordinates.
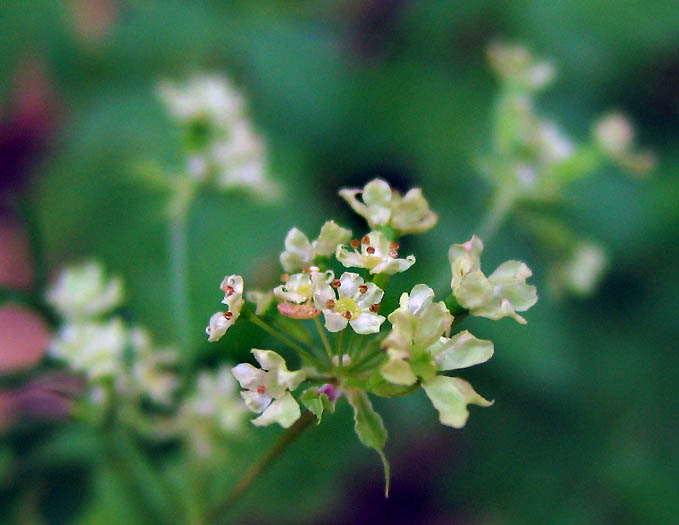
(376, 253)
(516, 65)
(201, 97)
(614, 134)
(300, 253)
(357, 304)
(300, 288)
(220, 322)
(501, 294)
(93, 348)
(85, 292)
(267, 390)
(382, 206)
(417, 323)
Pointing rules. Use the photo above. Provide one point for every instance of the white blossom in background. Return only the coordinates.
(267, 390)
(581, 272)
(220, 322)
(262, 300)
(93, 348)
(383, 206)
(515, 64)
(375, 253)
(502, 294)
(85, 292)
(222, 145)
(301, 253)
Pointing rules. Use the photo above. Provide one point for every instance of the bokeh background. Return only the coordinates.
(584, 428)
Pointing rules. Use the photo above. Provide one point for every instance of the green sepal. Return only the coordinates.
(369, 428)
(381, 387)
(316, 403)
(453, 306)
(422, 364)
(390, 233)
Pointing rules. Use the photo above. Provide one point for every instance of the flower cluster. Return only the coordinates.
(222, 147)
(532, 159)
(351, 355)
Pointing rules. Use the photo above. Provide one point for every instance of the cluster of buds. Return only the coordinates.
(221, 145)
(351, 355)
(532, 159)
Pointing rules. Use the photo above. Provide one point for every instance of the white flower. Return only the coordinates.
(501, 294)
(267, 390)
(209, 97)
(357, 304)
(84, 292)
(300, 252)
(374, 252)
(215, 399)
(382, 206)
(614, 134)
(220, 322)
(94, 348)
(515, 64)
(300, 288)
(417, 323)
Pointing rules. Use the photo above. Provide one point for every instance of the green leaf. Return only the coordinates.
(369, 428)
(311, 399)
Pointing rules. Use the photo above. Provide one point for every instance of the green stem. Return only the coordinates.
(340, 347)
(179, 278)
(216, 514)
(284, 339)
(324, 338)
(503, 202)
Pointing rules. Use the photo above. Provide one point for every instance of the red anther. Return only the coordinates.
(393, 254)
(370, 250)
(365, 239)
(228, 290)
(375, 308)
(228, 315)
(337, 283)
(306, 269)
(285, 277)
(330, 304)
(363, 288)
(393, 246)
(261, 389)
(355, 243)
(347, 314)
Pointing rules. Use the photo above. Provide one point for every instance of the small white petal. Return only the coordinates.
(334, 321)
(284, 411)
(367, 323)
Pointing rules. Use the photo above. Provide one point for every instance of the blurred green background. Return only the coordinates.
(584, 427)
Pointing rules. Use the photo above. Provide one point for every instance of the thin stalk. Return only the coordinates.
(285, 340)
(324, 338)
(216, 514)
(366, 358)
(340, 347)
(502, 204)
(179, 277)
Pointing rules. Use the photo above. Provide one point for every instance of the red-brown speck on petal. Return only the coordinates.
(347, 315)
(261, 389)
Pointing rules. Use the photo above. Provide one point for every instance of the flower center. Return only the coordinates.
(347, 304)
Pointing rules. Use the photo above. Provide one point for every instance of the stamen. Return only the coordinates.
(347, 314)
(261, 389)
(393, 254)
(228, 315)
(370, 250)
(228, 290)
(363, 288)
(330, 304)
(355, 243)
(374, 308)
(393, 246)
(306, 269)
(336, 283)
(365, 239)
(285, 277)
